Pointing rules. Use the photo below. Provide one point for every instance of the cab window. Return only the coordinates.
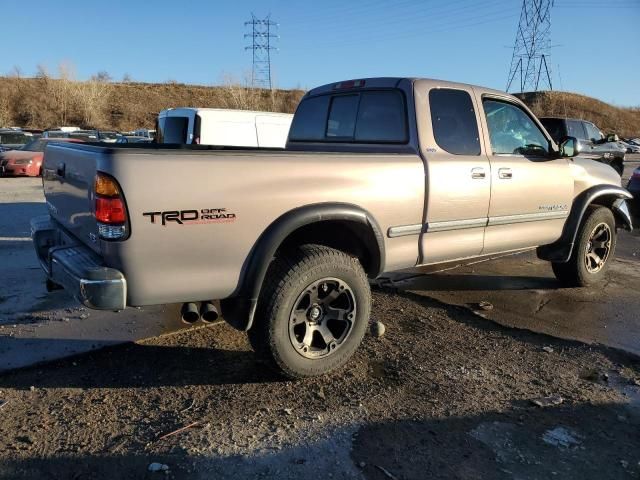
(454, 121)
(592, 132)
(370, 116)
(512, 131)
(575, 129)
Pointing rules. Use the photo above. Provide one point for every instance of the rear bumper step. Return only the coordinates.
(77, 268)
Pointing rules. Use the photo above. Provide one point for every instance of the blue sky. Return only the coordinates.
(596, 52)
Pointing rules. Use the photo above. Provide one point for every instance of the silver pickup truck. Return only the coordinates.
(379, 175)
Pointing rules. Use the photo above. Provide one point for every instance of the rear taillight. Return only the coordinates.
(110, 210)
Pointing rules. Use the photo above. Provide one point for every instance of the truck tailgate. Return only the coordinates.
(68, 177)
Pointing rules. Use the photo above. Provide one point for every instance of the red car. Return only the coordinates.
(27, 161)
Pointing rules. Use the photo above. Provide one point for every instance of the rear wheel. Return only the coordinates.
(592, 252)
(312, 312)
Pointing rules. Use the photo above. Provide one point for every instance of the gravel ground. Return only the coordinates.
(443, 394)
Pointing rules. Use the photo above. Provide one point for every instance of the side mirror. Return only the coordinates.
(569, 147)
(612, 137)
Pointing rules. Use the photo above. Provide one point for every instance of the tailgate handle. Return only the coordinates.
(61, 169)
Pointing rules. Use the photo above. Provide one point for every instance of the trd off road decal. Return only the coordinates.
(191, 217)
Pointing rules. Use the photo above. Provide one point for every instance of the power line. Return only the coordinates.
(443, 27)
(531, 50)
(261, 36)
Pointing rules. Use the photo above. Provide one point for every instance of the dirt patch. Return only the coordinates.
(443, 394)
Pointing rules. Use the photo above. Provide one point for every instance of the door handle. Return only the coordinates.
(477, 173)
(61, 169)
(505, 173)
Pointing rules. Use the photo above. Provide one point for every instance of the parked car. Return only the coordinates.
(133, 139)
(107, 137)
(634, 188)
(27, 161)
(36, 132)
(13, 139)
(593, 144)
(145, 132)
(84, 135)
(378, 175)
(216, 126)
(631, 147)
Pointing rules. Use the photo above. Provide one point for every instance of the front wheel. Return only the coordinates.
(312, 312)
(618, 167)
(594, 247)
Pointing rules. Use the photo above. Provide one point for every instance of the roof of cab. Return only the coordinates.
(394, 82)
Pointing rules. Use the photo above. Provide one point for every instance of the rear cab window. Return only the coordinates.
(368, 116)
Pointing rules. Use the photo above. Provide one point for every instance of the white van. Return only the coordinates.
(216, 126)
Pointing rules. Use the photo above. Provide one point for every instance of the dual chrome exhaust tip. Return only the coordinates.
(207, 312)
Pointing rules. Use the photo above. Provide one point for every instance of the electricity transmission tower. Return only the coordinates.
(261, 37)
(530, 53)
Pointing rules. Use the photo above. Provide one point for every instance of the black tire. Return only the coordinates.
(583, 269)
(618, 167)
(276, 331)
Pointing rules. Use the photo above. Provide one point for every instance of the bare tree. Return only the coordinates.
(42, 71)
(102, 76)
(16, 72)
(126, 78)
(91, 98)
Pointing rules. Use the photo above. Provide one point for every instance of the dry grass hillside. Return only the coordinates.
(623, 121)
(44, 101)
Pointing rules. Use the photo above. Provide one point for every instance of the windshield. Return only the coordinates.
(13, 138)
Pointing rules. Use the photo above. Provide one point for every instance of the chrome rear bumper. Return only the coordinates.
(76, 268)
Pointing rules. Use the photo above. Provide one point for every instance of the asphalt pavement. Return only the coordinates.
(37, 326)
(523, 293)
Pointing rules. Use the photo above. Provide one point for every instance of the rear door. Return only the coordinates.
(458, 174)
(176, 126)
(531, 192)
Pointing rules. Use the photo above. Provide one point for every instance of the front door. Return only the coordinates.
(531, 192)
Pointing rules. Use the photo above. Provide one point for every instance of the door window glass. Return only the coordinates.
(593, 133)
(453, 117)
(512, 131)
(575, 129)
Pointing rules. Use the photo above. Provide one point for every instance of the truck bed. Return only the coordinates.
(169, 261)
